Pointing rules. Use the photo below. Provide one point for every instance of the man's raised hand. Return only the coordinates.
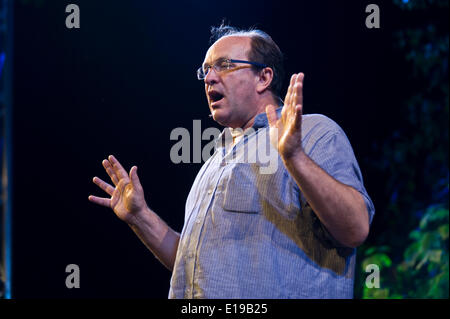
(288, 127)
(127, 196)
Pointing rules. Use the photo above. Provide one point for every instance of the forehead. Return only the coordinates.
(231, 47)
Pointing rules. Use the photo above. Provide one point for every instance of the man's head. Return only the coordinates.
(238, 91)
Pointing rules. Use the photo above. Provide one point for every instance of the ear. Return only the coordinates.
(265, 77)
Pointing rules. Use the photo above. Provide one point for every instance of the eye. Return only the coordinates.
(206, 68)
(221, 65)
(230, 65)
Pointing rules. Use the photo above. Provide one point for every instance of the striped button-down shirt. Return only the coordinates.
(249, 231)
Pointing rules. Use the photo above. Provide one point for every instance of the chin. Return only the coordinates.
(220, 117)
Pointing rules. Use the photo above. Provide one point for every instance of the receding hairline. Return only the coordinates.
(241, 34)
(234, 35)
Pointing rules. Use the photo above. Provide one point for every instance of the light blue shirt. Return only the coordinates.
(249, 234)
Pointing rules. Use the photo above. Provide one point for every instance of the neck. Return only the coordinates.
(261, 108)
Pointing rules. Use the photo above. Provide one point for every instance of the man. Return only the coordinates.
(288, 234)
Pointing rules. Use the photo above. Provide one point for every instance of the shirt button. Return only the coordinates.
(209, 191)
(197, 220)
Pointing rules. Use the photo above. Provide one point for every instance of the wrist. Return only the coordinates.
(140, 217)
(295, 159)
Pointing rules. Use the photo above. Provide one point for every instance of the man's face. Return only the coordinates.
(231, 93)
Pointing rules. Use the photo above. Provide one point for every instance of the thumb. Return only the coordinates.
(271, 115)
(134, 178)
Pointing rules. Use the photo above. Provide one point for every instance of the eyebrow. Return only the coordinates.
(218, 59)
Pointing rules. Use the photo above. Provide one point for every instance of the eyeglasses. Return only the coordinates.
(223, 65)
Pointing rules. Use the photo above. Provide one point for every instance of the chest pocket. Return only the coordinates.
(241, 191)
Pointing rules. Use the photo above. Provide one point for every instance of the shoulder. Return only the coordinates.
(318, 126)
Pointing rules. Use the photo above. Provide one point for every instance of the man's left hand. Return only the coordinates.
(286, 132)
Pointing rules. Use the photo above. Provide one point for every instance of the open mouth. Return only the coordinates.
(215, 97)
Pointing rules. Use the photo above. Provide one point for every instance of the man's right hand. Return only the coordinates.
(127, 197)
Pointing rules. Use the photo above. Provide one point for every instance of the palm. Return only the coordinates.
(285, 132)
(125, 200)
(282, 133)
(127, 197)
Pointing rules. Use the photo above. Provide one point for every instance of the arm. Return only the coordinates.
(128, 203)
(340, 208)
(159, 238)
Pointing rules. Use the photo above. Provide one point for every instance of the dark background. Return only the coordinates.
(123, 81)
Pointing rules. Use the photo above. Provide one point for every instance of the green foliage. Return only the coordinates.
(425, 263)
(424, 270)
(412, 252)
(383, 261)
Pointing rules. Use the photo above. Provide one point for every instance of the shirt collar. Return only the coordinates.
(262, 121)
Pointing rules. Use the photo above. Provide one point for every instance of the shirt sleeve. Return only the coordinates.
(334, 154)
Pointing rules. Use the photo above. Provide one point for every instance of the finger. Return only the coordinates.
(109, 169)
(298, 94)
(100, 200)
(289, 92)
(284, 110)
(298, 117)
(290, 107)
(135, 178)
(118, 168)
(300, 80)
(103, 185)
(271, 115)
(291, 89)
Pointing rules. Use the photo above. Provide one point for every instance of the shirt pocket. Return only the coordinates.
(241, 192)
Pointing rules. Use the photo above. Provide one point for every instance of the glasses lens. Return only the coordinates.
(200, 73)
(221, 65)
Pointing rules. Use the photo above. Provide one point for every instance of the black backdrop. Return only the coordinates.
(122, 82)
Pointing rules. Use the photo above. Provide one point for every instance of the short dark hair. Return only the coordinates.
(263, 50)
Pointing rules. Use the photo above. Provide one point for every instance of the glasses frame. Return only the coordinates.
(201, 75)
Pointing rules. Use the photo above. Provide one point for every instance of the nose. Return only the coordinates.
(211, 77)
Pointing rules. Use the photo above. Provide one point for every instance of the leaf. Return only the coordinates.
(380, 293)
(377, 249)
(435, 255)
(375, 293)
(422, 262)
(412, 253)
(432, 215)
(415, 235)
(443, 231)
